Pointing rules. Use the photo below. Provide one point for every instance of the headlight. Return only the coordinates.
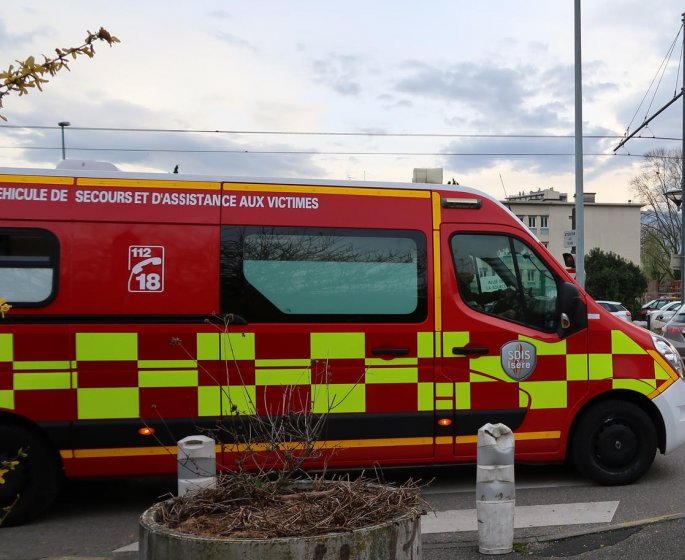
(668, 351)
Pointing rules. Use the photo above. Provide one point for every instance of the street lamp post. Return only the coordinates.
(676, 197)
(682, 188)
(62, 124)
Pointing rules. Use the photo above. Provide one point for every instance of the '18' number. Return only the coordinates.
(151, 282)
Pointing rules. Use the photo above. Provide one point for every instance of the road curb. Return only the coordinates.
(607, 528)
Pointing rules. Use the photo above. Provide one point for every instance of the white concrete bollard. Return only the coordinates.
(495, 489)
(196, 463)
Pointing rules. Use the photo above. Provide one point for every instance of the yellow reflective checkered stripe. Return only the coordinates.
(35, 375)
(229, 395)
(6, 359)
(99, 403)
(548, 394)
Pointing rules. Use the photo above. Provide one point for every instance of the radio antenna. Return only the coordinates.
(506, 196)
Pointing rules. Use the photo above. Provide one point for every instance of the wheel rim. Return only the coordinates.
(616, 444)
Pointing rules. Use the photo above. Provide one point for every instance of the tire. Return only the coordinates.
(36, 479)
(614, 443)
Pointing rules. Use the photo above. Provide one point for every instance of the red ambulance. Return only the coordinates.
(407, 315)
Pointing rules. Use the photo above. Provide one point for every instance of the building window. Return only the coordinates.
(543, 221)
(531, 221)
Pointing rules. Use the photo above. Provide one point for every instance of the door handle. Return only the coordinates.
(469, 351)
(390, 351)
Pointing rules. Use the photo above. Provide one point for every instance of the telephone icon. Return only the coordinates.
(138, 268)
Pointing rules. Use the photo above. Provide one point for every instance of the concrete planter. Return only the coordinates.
(398, 539)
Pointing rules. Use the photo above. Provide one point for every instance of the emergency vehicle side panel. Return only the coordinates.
(361, 363)
(108, 356)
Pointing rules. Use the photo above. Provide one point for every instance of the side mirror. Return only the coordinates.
(570, 263)
(571, 310)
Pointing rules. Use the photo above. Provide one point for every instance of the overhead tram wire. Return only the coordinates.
(662, 68)
(329, 133)
(676, 95)
(322, 153)
(313, 133)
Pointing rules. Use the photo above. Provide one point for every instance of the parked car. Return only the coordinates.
(674, 331)
(654, 305)
(616, 308)
(657, 319)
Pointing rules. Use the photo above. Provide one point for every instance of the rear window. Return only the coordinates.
(28, 266)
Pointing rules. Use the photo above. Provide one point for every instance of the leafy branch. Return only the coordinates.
(6, 467)
(31, 74)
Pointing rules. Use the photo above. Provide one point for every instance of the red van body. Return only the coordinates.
(138, 309)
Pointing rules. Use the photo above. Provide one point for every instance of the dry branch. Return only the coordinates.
(245, 505)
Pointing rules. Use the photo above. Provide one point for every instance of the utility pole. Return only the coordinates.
(682, 182)
(580, 215)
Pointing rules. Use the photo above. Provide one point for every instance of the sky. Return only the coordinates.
(365, 90)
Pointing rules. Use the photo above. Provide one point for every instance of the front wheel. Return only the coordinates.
(32, 484)
(614, 443)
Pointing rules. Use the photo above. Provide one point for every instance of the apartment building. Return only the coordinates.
(549, 214)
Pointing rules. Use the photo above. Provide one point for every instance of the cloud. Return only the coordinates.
(339, 72)
(195, 153)
(219, 14)
(488, 98)
(540, 101)
(536, 155)
(10, 43)
(477, 85)
(235, 41)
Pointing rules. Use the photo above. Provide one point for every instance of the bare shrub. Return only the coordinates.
(267, 493)
(248, 505)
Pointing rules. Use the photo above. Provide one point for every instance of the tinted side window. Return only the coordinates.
(28, 266)
(499, 275)
(283, 274)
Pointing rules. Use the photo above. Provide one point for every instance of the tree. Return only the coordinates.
(660, 236)
(612, 277)
(30, 74)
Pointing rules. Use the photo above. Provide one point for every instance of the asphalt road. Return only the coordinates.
(95, 518)
(656, 539)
